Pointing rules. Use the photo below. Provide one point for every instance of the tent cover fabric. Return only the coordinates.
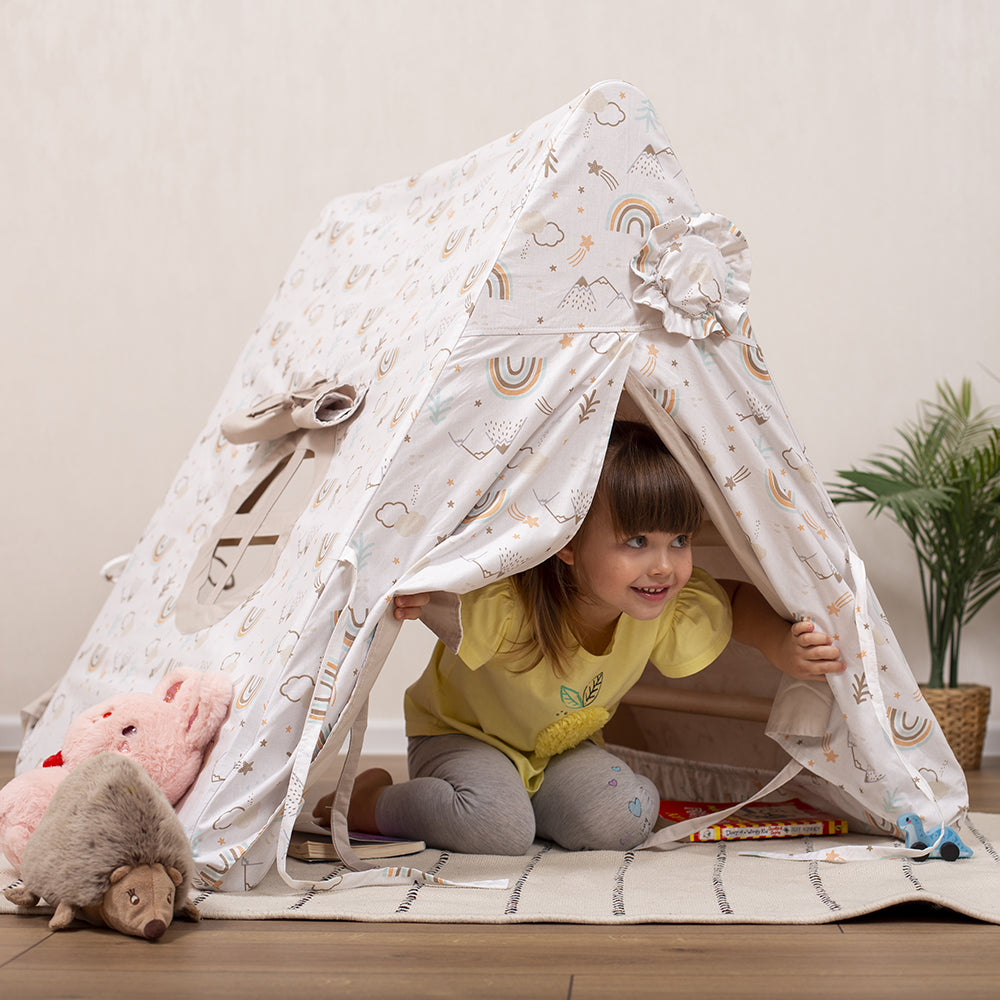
(424, 407)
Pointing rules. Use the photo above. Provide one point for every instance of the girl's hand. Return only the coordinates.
(410, 606)
(809, 655)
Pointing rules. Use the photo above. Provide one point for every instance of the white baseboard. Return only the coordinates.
(991, 742)
(386, 736)
(10, 732)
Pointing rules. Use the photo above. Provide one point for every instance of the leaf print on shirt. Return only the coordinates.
(572, 698)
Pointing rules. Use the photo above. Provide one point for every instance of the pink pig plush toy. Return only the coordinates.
(166, 732)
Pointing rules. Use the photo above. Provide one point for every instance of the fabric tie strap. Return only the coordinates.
(322, 403)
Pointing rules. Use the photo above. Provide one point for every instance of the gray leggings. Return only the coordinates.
(465, 795)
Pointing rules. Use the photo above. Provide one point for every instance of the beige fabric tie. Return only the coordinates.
(319, 404)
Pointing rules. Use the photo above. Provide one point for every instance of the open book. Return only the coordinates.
(757, 821)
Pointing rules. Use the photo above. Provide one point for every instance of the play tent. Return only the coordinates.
(424, 406)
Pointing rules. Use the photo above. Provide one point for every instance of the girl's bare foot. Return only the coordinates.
(368, 786)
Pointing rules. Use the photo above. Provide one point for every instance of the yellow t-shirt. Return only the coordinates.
(533, 715)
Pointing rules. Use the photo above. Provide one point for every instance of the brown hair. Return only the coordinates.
(644, 489)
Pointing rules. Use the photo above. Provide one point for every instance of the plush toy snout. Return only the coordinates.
(140, 900)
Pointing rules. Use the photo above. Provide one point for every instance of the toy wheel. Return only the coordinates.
(920, 846)
(950, 851)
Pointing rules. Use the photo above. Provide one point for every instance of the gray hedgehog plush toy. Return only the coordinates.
(111, 849)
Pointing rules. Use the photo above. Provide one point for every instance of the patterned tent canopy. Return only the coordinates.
(424, 406)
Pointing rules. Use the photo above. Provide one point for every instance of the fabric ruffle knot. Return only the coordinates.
(696, 272)
(570, 730)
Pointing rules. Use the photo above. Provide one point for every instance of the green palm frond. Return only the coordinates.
(942, 487)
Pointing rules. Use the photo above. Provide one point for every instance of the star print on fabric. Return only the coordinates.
(566, 340)
(595, 167)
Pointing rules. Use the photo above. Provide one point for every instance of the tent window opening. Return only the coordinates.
(244, 548)
(244, 552)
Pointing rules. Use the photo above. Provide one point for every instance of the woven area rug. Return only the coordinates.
(700, 883)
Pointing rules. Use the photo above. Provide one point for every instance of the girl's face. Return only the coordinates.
(633, 576)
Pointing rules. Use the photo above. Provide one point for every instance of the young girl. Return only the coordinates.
(504, 735)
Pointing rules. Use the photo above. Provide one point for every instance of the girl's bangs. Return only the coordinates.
(645, 488)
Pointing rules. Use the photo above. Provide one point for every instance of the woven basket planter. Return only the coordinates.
(961, 712)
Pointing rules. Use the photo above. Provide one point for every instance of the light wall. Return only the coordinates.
(162, 160)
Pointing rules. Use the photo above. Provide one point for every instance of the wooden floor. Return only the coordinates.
(906, 951)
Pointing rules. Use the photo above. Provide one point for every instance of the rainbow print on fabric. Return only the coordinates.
(783, 498)
(451, 244)
(633, 216)
(754, 361)
(907, 732)
(498, 283)
(510, 378)
(487, 505)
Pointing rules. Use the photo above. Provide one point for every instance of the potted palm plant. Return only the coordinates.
(942, 487)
